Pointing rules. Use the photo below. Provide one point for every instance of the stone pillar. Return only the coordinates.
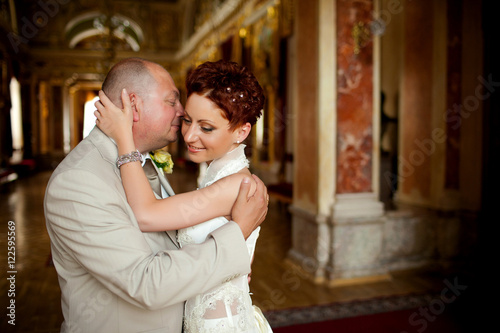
(310, 236)
(441, 105)
(357, 223)
(337, 230)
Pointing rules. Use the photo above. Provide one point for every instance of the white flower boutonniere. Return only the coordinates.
(163, 160)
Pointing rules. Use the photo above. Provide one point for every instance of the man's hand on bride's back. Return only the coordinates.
(249, 211)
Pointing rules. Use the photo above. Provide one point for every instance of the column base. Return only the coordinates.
(353, 205)
(339, 249)
(357, 249)
(310, 242)
(359, 280)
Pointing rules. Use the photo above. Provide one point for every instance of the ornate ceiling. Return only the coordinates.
(56, 38)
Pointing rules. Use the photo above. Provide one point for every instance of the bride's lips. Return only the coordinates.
(193, 149)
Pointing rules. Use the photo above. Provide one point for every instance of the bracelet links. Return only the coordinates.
(127, 158)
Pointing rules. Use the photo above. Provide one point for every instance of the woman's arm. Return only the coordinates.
(191, 208)
(175, 212)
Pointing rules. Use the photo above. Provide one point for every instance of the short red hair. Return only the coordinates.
(232, 87)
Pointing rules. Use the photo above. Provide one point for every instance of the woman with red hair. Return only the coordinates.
(224, 101)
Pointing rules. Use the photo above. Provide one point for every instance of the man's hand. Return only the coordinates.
(250, 212)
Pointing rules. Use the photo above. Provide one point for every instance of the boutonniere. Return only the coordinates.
(163, 160)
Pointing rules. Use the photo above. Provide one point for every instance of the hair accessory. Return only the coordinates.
(127, 158)
(238, 94)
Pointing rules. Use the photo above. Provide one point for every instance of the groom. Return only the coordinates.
(113, 277)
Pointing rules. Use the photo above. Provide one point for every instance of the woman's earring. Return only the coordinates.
(238, 141)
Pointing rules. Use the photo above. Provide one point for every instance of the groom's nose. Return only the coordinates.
(179, 110)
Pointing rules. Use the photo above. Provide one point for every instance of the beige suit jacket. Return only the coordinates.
(113, 277)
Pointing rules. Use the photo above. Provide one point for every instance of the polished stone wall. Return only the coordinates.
(354, 96)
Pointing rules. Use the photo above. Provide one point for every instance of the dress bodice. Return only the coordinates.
(227, 308)
(228, 164)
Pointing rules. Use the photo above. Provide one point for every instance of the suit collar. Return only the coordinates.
(105, 146)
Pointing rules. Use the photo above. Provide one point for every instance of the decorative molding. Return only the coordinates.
(95, 23)
(211, 26)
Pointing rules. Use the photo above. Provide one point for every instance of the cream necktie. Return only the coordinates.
(152, 176)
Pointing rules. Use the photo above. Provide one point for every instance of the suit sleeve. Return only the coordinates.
(91, 223)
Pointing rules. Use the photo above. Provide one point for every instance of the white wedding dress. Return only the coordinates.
(226, 308)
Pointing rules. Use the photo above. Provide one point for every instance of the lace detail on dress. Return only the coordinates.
(183, 237)
(227, 308)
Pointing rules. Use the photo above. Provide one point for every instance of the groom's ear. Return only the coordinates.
(136, 105)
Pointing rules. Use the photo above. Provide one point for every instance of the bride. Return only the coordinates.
(224, 100)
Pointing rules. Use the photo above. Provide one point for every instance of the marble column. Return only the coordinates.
(336, 215)
(310, 235)
(357, 223)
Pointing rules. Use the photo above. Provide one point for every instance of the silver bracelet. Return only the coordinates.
(127, 158)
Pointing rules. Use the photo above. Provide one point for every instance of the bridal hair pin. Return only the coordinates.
(241, 98)
(238, 94)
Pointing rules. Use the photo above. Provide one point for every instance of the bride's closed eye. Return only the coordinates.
(203, 128)
(207, 129)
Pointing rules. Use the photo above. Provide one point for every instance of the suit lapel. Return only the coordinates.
(163, 181)
(109, 152)
(166, 185)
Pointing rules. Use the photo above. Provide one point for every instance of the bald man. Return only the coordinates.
(113, 277)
